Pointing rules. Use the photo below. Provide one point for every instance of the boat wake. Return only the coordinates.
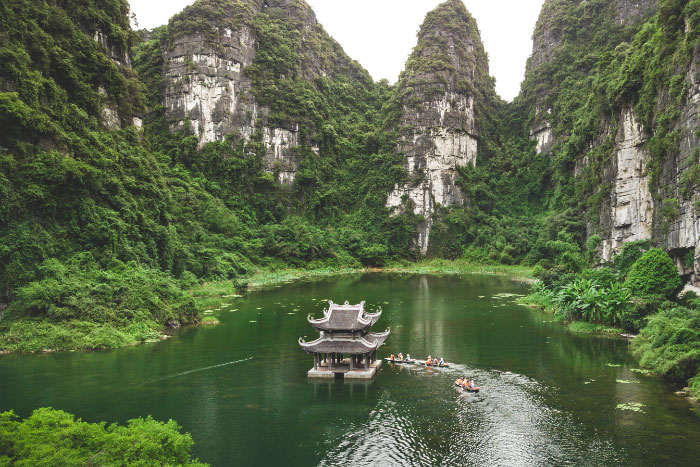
(194, 371)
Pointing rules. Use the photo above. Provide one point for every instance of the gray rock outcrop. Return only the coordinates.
(438, 115)
(206, 86)
(681, 235)
(630, 207)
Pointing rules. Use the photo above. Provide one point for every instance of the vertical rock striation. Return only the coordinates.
(630, 207)
(210, 45)
(680, 183)
(438, 129)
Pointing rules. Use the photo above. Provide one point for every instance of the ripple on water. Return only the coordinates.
(507, 423)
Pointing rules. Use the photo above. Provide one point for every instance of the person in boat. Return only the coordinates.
(441, 362)
(429, 361)
(400, 356)
(392, 357)
(408, 357)
(472, 384)
(459, 381)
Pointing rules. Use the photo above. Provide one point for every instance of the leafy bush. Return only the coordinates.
(670, 344)
(54, 437)
(694, 384)
(554, 277)
(124, 294)
(587, 300)
(653, 274)
(629, 254)
(374, 255)
(605, 277)
(637, 315)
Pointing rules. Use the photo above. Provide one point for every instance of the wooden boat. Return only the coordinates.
(467, 389)
(403, 362)
(432, 365)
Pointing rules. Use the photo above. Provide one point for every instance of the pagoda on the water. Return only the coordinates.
(345, 347)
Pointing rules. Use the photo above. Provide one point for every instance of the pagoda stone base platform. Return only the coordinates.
(344, 371)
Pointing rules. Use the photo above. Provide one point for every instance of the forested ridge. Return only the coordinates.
(113, 211)
(110, 213)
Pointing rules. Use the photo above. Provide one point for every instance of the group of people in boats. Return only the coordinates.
(401, 358)
(430, 361)
(466, 383)
(434, 361)
(463, 382)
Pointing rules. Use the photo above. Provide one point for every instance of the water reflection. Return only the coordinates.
(548, 397)
(343, 388)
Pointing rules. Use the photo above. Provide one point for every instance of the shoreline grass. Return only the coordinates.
(542, 302)
(211, 295)
(32, 335)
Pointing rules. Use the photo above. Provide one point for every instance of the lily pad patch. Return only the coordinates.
(633, 406)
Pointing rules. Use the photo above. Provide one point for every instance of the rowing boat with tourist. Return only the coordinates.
(430, 361)
(434, 362)
(401, 359)
(463, 383)
(466, 384)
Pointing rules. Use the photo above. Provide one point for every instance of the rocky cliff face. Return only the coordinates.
(662, 208)
(669, 216)
(550, 39)
(627, 215)
(206, 84)
(680, 184)
(438, 112)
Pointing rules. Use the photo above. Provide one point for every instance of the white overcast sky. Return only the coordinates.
(381, 33)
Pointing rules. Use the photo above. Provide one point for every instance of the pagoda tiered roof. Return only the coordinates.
(345, 344)
(345, 318)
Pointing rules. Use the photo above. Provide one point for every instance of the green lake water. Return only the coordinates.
(548, 397)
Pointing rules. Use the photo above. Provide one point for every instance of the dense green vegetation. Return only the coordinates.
(670, 344)
(102, 228)
(636, 292)
(86, 209)
(77, 305)
(598, 69)
(53, 437)
(105, 227)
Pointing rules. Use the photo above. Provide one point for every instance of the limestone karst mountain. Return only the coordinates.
(208, 49)
(240, 134)
(438, 130)
(635, 143)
